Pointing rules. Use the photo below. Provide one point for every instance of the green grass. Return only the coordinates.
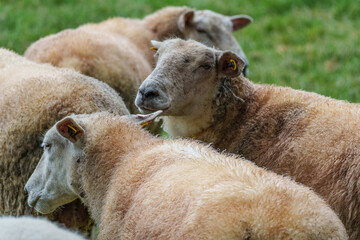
(305, 44)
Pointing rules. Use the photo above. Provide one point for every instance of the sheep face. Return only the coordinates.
(51, 184)
(57, 178)
(214, 30)
(186, 78)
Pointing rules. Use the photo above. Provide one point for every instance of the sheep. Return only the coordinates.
(117, 51)
(30, 228)
(138, 186)
(33, 97)
(312, 138)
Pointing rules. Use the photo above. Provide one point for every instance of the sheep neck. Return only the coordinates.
(103, 154)
(188, 126)
(233, 96)
(233, 101)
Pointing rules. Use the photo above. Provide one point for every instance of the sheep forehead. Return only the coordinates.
(212, 20)
(52, 136)
(176, 49)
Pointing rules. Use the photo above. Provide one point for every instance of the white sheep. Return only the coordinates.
(34, 97)
(30, 228)
(117, 51)
(312, 138)
(137, 186)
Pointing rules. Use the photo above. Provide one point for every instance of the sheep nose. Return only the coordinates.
(26, 189)
(149, 93)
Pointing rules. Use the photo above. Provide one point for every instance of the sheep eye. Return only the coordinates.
(200, 30)
(205, 34)
(206, 66)
(47, 146)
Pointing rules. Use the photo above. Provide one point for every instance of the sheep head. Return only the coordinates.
(51, 184)
(214, 30)
(187, 78)
(57, 178)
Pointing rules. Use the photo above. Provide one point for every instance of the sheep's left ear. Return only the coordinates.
(156, 45)
(69, 129)
(144, 120)
(229, 64)
(185, 20)
(240, 21)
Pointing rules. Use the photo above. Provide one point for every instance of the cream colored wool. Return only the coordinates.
(31, 228)
(149, 188)
(33, 97)
(312, 138)
(117, 51)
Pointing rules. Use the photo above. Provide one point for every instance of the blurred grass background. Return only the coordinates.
(305, 44)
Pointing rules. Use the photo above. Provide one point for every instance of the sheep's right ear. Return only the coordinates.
(143, 120)
(69, 129)
(185, 20)
(240, 21)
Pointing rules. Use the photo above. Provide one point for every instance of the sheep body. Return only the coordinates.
(312, 138)
(117, 51)
(33, 97)
(151, 188)
(111, 58)
(30, 228)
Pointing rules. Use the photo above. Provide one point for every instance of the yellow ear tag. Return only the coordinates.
(145, 123)
(154, 49)
(232, 64)
(75, 131)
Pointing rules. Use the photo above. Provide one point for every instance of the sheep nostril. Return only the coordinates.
(151, 93)
(141, 91)
(34, 201)
(245, 70)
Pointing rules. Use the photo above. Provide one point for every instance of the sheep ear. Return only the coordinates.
(185, 20)
(144, 120)
(229, 64)
(240, 21)
(156, 45)
(69, 129)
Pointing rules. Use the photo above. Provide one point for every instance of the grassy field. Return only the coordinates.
(306, 44)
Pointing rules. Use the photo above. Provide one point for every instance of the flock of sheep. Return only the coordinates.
(269, 162)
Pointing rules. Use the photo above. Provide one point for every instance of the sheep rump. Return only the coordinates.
(33, 97)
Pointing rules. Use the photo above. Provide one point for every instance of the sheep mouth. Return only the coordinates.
(147, 110)
(34, 202)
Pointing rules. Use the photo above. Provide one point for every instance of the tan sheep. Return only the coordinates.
(137, 186)
(33, 97)
(117, 51)
(312, 138)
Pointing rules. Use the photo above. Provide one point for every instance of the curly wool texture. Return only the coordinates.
(179, 189)
(116, 51)
(312, 138)
(33, 97)
(30, 228)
